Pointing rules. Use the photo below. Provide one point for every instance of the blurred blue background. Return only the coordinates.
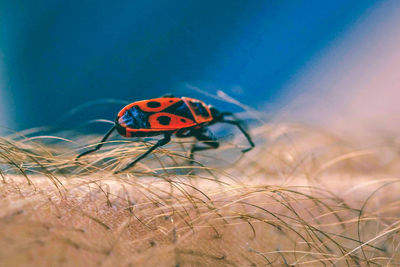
(56, 55)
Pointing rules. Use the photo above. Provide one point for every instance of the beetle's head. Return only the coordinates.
(216, 114)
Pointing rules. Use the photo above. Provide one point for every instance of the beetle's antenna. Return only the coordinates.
(237, 122)
(235, 118)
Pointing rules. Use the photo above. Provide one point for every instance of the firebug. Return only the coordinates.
(167, 116)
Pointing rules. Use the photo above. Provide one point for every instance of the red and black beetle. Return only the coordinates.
(168, 115)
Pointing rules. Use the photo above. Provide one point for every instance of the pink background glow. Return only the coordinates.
(355, 82)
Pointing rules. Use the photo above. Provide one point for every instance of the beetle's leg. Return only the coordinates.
(99, 145)
(208, 140)
(161, 142)
(184, 134)
(239, 125)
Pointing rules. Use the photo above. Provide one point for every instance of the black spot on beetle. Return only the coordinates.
(181, 109)
(153, 104)
(164, 120)
(183, 120)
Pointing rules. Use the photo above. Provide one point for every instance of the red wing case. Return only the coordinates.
(155, 115)
(152, 105)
